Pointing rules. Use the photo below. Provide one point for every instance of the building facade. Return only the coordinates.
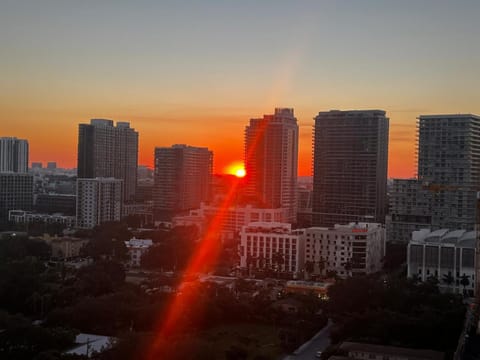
(350, 162)
(356, 248)
(444, 195)
(105, 150)
(136, 248)
(16, 192)
(273, 246)
(449, 165)
(27, 217)
(183, 177)
(271, 160)
(444, 255)
(13, 155)
(233, 218)
(410, 209)
(99, 200)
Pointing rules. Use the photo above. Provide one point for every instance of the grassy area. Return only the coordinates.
(257, 340)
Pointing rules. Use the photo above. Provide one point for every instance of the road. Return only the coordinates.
(308, 350)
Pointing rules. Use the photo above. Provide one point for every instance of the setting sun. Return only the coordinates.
(240, 172)
(237, 168)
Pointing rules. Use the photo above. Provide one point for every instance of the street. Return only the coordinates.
(308, 350)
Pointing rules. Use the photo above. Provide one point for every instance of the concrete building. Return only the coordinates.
(183, 176)
(233, 218)
(356, 248)
(13, 155)
(272, 246)
(444, 195)
(448, 163)
(105, 150)
(136, 248)
(65, 248)
(16, 192)
(271, 158)
(410, 209)
(98, 200)
(27, 217)
(350, 162)
(448, 256)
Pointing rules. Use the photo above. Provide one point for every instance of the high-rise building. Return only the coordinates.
(183, 177)
(449, 166)
(271, 159)
(350, 163)
(51, 165)
(16, 193)
(99, 200)
(105, 150)
(13, 155)
(444, 195)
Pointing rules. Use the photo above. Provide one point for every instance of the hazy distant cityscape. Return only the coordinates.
(239, 181)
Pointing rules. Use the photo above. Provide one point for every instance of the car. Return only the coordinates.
(318, 354)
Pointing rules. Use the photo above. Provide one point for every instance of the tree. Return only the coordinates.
(448, 279)
(309, 267)
(321, 265)
(464, 281)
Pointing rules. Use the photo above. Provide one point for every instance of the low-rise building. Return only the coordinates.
(361, 351)
(271, 245)
(64, 248)
(308, 287)
(27, 217)
(356, 248)
(136, 248)
(444, 255)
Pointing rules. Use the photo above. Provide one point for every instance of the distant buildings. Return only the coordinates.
(13, 155)
(444, 255)
(16, 192)
(356, 248)
(27, 217)
(444, 196)
(271, 158)
(98, 200)
(350, 167)
(183, 177)
(105, 150)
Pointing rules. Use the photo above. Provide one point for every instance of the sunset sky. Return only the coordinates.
(195, 72)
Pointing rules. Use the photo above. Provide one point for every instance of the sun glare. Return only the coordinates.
(236, 169)
(240, 173)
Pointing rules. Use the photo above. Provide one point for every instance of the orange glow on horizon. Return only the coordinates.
(236, 168)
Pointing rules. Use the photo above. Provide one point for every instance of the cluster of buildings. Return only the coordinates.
(340, 220)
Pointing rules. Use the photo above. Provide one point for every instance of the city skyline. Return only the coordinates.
(138, 63)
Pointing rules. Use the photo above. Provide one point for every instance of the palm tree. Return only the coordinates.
(448, 279)
(321, 265)
(464, 281)
(309, 267)
(277, 260)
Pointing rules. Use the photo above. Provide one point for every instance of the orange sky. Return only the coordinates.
(53, 138)
(201, 82)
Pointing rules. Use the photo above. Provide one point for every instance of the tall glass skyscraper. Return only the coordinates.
(105, 150)
(13, 155)
(350, 163)
(271, 160)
